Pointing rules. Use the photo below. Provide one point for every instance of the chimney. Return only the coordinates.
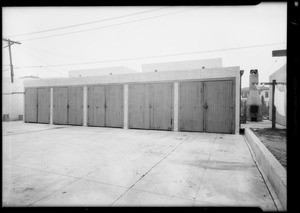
(253, 103)
(253, 78)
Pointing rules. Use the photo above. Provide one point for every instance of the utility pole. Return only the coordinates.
(273, 83)
(10, 42)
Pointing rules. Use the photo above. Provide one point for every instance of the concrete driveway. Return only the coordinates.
(46, 165)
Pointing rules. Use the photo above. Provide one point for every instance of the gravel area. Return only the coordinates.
(275, 141)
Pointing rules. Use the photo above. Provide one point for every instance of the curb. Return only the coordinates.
(272, 170)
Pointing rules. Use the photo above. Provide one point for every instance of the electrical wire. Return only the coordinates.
(157, 56)
(45, 67)
(112, 25)
(87, 23)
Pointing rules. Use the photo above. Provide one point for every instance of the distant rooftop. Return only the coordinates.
(101, 71)
(183, 65)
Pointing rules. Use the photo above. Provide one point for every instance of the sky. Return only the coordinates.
(242, 36)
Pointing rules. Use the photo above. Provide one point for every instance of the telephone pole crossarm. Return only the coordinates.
(10, 41)
(271, 83)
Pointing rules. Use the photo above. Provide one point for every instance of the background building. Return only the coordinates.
(183, 65)
(13, 98)
(262, 90)
(280, 96)
(101, 71)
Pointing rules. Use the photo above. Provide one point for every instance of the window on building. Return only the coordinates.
(267, 94)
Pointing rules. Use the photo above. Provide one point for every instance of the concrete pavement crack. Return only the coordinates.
(17, 133)
(146, 173)
(204, 170)
(78, 179)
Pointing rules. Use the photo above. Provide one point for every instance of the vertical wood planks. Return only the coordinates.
(114, 106)
(139, 111)
(151, 106)
(105, 106)
(219, 115)
(96, 106)
(191, 106)
(161, 106)
(31, 103)
(60, 105)
(75, 103)
(43, 105)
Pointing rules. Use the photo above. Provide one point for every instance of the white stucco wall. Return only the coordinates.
(12, 104)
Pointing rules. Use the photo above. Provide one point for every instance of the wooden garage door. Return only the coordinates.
(105, 106)
(96, 106)
(151, 106)
(219, 113)
(161, 106)
(31, 105)
(191, 106)
(60, 105)
(43, 105)
(138, 106)
(114, 106)
(75, 105)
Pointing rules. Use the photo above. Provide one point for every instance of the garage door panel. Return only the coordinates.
(60, 105)
(139, 102)
(219, 113)
(96, 106)
(151, 106)
(31, 102)
(191, 106)
(161, 106)
(75, 103)
(44, 105)
(114, 106)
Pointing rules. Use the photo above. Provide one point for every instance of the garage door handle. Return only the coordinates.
(205, 106)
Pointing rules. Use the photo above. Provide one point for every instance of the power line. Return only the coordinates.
(157, 56)
(42, 62)
(112, 25)
(86, 23)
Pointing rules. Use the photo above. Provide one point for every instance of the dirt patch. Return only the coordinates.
(275, 141)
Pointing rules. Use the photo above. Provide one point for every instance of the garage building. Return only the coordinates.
(201, 100)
